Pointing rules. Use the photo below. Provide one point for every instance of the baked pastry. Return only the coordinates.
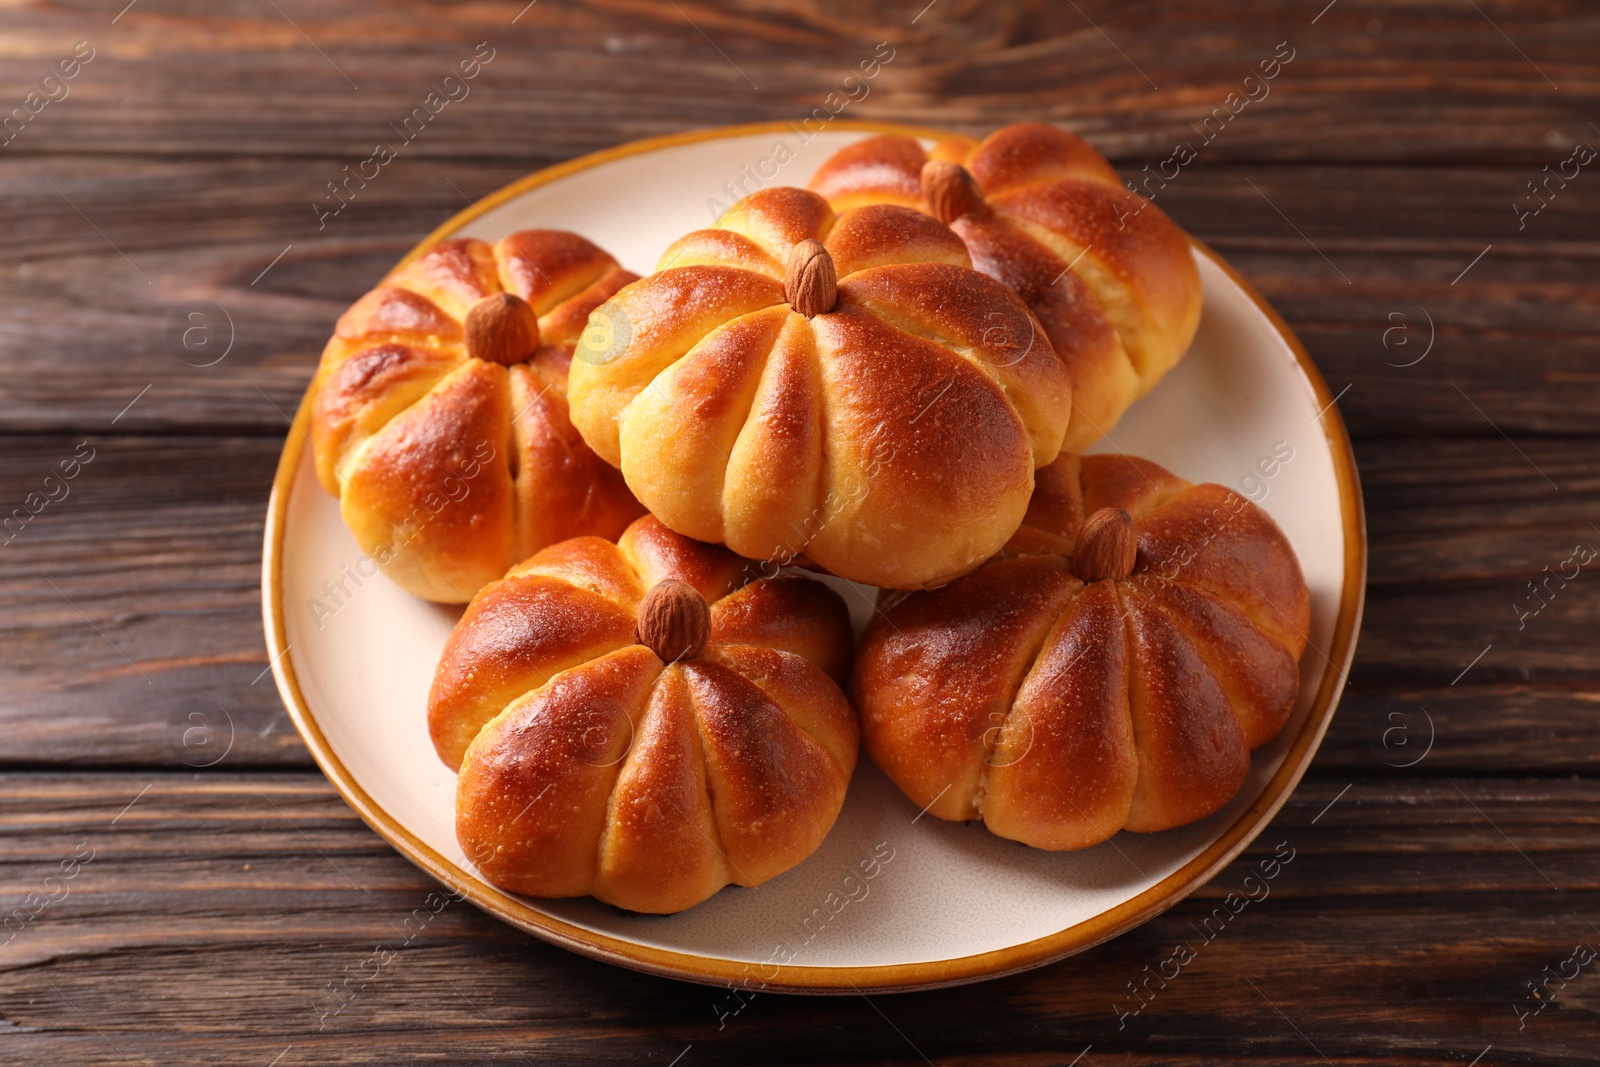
(1108, 274)
(1112, 669)
(440, 419)
(838, 390)
(642, 723)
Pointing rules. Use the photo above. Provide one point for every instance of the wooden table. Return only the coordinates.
(196, 901)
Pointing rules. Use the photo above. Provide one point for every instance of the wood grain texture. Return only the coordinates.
(124, 640)
(298, 895)
(162, 530)
(207, 230)
(1431, 81)
(1445, 836)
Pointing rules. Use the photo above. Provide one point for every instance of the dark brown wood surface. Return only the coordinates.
(212, 909)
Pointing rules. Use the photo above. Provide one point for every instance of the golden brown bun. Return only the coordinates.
(588, 766)
(891, 440)
(1108, 274)
(1060, 712)
(450, 468)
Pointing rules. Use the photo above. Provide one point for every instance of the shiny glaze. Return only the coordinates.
(587, 766)
(1107, 273)
(1059, 712)
(449, 469)
(891, 440)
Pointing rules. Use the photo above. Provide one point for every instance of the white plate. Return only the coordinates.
(946, 903)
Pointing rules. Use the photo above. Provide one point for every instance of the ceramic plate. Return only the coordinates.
(945, 903)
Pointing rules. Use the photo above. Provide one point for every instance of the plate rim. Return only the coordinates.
(899, 977)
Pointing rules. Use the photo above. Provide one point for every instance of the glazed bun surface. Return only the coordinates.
(1108, 274)
(440, 415)
(1112, 669)
(640, 722)
(836, 389)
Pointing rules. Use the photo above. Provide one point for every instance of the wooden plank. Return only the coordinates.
(158, 236)
(238, 900)
(1433, 81)
(1511, 341)
(1457, 531)
(157, 545)
(131, 604)
(1444, 839)
(1417, 290)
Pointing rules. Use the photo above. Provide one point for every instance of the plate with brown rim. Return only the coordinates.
(893, 900)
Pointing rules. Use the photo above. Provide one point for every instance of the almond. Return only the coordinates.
(674, 621)
(1107, 547)
(502, 329)
(951, 192)
(809, 282)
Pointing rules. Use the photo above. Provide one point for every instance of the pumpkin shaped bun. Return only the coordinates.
(1112, 669)
(640, 722)
(440, 418)
(1111, 277)
(837, 389)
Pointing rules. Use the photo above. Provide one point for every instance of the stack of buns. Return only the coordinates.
(887, 378)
